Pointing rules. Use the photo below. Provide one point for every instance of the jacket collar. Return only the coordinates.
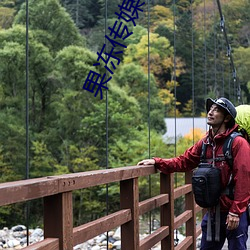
(221, 136)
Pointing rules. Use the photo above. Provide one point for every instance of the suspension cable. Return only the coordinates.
(106, 118)
(205, 50)
(149, 120)
(229, 53)
(174, 79)
(221, 68)
(174, 75)
(27, 207)
(175, 95)
(192, 74)
(215, 51)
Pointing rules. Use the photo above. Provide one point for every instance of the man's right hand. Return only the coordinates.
(146, 162)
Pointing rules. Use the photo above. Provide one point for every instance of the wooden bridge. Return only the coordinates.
(56, 192)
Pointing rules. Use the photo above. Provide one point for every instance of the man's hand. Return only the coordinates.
(146, 162)
(232, 221)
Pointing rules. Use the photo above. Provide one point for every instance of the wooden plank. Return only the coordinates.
(198, 231)
(185, 244)
(154, 238)
(198, 228)
(90, 230)
(24, 190)
(182, 218)
(99, 177)
(190, 205)
(167, 210)
(198, 209)
(46, 244)
(129, 196)
(58, 219)
(152, 203)
(178, 192)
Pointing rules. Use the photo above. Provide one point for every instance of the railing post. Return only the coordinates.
(190, 205)
(129, 198)
(167, 210)
(58, 219)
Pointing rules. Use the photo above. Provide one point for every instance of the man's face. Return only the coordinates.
(215, 116)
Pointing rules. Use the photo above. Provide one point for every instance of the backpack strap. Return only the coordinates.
(203, 152)
(203, 155)
(227, 148)
(227, 151)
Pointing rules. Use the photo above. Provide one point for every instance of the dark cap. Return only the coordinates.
(223, 103)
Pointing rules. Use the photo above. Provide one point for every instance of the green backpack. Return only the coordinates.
(243, 120)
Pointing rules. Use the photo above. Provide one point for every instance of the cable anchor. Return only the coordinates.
(222, 24)
(229, 51)
(234, 75)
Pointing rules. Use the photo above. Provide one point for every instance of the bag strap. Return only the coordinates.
(227, 148)
(227, 151)
(209, 225)
(203, 152)
(217, 223)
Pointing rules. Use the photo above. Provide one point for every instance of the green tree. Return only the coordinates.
(160, 15)
(132, 78)
(53, 25)
(242, 64)
(82, 116)
(40, 60)
(85, 14)
(42, 163)
(6, 17)
(12, 107)
(160, 54)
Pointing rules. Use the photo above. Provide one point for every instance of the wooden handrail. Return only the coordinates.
(24, 190)
(56, 191)
(90, 230)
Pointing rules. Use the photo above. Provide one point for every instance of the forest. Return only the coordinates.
(175, 57)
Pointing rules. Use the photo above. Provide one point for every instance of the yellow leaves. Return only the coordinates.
(6, 17)
(166, 96)
(161, 15)
(162, 12)
(203, 114)
(195, 134)
(169, 101)
(188, 107)
(167, 23)
(189, 139)
(155, 53)
(179, 69)
(160, 53)
(172, 84)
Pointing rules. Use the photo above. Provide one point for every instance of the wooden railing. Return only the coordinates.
(59, 232)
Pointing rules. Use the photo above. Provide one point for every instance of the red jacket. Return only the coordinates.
(241, 167)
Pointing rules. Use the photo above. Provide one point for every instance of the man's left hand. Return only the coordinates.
(232, 222)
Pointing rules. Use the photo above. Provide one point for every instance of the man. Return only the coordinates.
(221, 115)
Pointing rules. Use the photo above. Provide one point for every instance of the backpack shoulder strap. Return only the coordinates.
(227, 148)
(203, 152)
